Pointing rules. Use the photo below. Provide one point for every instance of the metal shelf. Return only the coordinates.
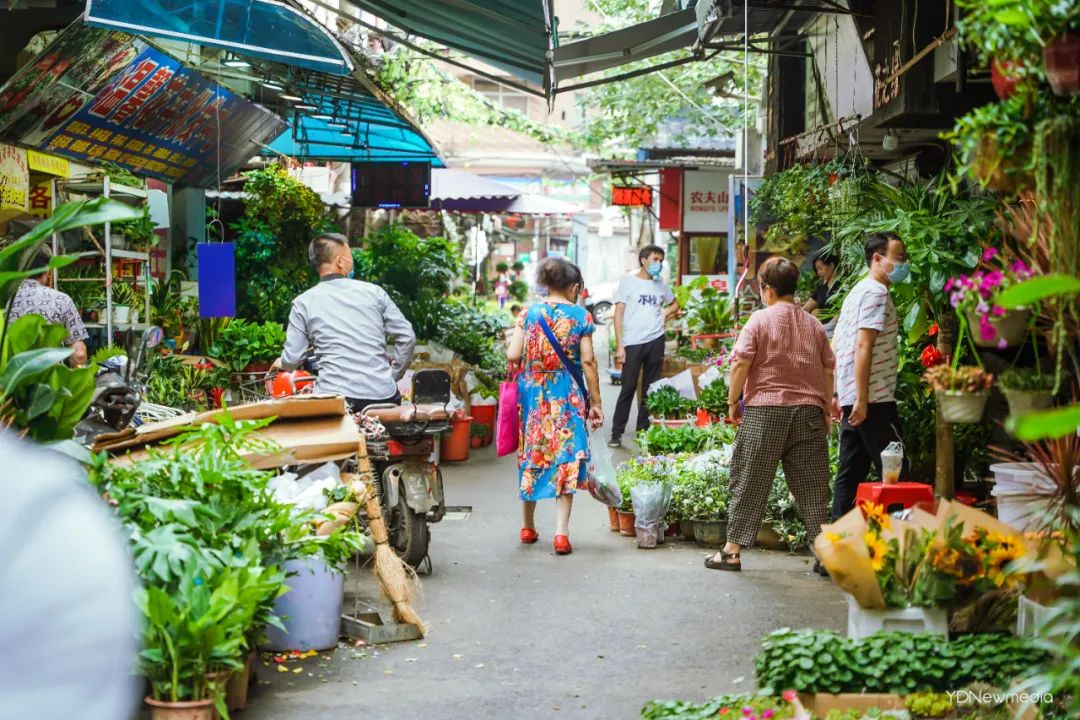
(116, 326)
(98, 188)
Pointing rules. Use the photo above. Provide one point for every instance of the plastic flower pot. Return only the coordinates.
(236, 689)
(1022, 402)
(669, 422)
(647, 536)
(188, 710)
(613, 519)
(475, 441)
(960, 408)
(702, 418)
(454, 446)
(311, 609)
(1012, 327)
(1062, 58)
(1004, 78)
(626, 523)
(710, 533)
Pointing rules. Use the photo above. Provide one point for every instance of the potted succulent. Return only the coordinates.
(668, 407)
(962, 391)
(1027, 390)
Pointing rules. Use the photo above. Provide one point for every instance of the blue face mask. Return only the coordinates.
(900, 272)
(654, 269)
(351, 274)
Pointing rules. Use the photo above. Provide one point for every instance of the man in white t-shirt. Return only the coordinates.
(643, 303)
(866, 346)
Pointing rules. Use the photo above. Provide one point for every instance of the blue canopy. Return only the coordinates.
(380, 136)
(261, 28)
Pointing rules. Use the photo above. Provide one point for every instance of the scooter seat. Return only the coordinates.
(407, 413)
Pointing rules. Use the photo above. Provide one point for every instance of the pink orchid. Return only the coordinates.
(956, 298)
(998, 311)
(1020, 268)
(1002, 344)
(989, 254)
(994, 279)
(986, 330)
(949, 284)
(966, 282)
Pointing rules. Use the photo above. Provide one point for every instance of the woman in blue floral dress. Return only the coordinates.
(553, 449)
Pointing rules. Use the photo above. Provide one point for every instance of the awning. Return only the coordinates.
(514, 35)
(260, 28)
(458, 190)
(532, 204)
(619, 47)
(377, 136)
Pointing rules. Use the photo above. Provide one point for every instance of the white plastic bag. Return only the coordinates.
(651, 501)
(683, 382)
(602, 483)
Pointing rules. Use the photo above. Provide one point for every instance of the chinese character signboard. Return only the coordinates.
(41, 201)
(705, 201)
(636, 196)
(102, 96)
(50, 164)
(14, 179)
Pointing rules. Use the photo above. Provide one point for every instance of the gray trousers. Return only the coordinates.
(768, 435)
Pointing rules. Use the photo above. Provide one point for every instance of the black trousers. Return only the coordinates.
(860, 448)
(358, 404)
(644, 361)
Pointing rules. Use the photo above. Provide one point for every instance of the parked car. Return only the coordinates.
(600, 301)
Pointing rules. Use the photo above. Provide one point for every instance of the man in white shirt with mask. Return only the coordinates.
(643, 304)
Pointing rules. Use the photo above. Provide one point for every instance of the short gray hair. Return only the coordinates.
(322, 248)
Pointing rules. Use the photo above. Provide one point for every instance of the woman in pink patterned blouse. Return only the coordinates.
(782, 366)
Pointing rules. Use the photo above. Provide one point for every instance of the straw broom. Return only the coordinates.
(396, 579)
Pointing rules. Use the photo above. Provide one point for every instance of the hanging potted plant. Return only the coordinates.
(668, 407)
(994, 141)
(972, 296)
(962, 391)
(1027, 390)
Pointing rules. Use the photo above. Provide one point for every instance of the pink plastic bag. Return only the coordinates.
(508, 423)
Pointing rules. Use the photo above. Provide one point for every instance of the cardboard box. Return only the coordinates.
(819, 704)
(296, 406)
(302, 440)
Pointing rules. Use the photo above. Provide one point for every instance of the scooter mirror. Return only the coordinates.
(152, 336)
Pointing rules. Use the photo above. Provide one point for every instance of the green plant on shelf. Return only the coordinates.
(139, 232)
(121, 176)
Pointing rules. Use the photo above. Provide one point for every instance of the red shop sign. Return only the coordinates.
(635, 196)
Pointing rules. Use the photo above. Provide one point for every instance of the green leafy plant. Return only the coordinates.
(782, 514)
(700, 487)
(1027, 380)
(241, 343)
(668, 403)
(713, 398)
(519, 290)
(481, 430)
(658, 440)
(640, 470)
(104, 353)
(929, 705)
(139, 232)
(731, 706)
(887, 662)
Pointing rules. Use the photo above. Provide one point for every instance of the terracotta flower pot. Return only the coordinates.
(613, 518)
(962, 408)
(454, 446)
(626, 523)
(188, 710)
(1062, 58)
(1004, 78)
(475, 441)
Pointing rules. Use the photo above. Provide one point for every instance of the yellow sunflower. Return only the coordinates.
(876, 514)
(877, 549)
(999, 561)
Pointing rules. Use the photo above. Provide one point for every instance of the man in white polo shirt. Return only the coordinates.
(866, 346)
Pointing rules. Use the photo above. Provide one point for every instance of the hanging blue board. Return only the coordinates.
(217, 280)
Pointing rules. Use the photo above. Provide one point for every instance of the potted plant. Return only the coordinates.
(139, 234)
(668, 407)
(712, 402)
(478, 433)
(962, 391)
(973, 297)
(994, 141)
(1027, 390)
(125, 300)
(629, 474)
(248, 347)
(502, 266)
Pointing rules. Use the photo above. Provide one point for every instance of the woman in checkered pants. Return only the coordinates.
(783, 367)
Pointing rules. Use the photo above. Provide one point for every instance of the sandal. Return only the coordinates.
(728, 561)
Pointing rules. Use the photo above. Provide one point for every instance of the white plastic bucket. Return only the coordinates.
(1025, 512)
(310, 610)
(1021, 477)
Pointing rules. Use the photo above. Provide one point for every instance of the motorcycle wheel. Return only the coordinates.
(601, 313)
(409, 533)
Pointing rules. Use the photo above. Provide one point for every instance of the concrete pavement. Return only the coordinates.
(518, 632)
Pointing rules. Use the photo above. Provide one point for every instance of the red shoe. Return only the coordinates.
(562, 545)
(529, 536)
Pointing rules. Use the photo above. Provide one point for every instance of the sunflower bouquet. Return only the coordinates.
(930, 561)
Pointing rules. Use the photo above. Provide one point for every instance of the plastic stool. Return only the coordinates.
(904, 494)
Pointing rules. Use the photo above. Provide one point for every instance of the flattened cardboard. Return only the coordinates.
(821, 703)
(297, 406)
(302, 440)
